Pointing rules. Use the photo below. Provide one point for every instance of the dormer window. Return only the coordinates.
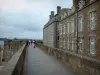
(73, 9)
(66, 13)
(81, 4)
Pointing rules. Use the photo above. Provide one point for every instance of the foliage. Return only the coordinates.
(39, 41)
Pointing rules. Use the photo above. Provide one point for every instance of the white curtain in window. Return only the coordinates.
(92, 45)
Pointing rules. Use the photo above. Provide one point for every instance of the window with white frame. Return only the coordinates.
(80, 23)
(81, 45)
(92, 45)
(92, 18)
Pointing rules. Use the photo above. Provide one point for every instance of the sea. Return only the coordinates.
(1, 42)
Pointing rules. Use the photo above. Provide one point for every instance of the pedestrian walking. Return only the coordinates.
(34, 42)
(29, 42)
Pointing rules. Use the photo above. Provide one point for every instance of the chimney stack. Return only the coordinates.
(75, 2)
(51, 15)
(58, 9)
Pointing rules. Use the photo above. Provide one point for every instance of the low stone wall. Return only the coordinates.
(15, 65)
(10, 48)
(82, 65)
(1, 56)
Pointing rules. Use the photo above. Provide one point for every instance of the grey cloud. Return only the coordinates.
(19, 26)
(28, 24)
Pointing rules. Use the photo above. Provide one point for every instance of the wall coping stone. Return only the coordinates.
(76, 54)
(11, 64)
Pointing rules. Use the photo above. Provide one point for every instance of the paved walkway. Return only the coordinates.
(40, 63)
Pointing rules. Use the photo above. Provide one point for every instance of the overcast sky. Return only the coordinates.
(26, 18)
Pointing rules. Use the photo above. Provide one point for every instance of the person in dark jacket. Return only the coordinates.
(34, 42)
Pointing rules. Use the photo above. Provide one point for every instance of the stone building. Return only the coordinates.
(50, 30)
(75, 29)
(86, 26)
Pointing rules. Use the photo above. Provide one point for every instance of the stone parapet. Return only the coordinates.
(10, 48)
(79, 63)
(1, 55)
(15, 65)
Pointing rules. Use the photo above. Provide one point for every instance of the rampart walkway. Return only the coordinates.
(39, 63)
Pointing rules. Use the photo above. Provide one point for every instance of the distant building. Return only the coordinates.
(75, 29)
(49, 30)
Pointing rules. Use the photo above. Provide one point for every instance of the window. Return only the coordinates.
(68, 28)
(58, 38)
(68, 45)
(61, 16)
(65, 14)
(92, 18)
(73, 9)
(92, 45)
(64, 29)
(72, 26)
(60, 27)
(64, 44)
(81, 45)
(72, 45)
(80, 23)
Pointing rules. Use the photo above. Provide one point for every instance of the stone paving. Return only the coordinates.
(40, 63)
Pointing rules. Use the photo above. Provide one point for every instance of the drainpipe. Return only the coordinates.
(77, 27)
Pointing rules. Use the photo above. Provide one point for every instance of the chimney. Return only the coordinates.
(58, 9)
(52, 15)
(75, 2)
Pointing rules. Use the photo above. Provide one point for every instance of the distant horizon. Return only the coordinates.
(19, 38)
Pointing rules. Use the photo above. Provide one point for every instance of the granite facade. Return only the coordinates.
(76, 29)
